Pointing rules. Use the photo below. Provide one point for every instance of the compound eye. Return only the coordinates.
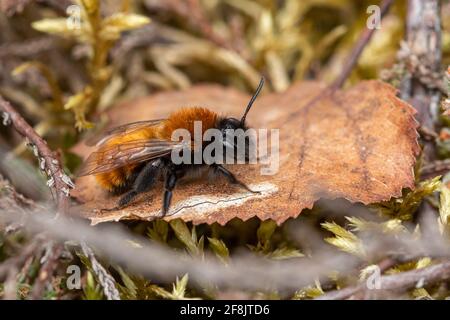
(234, 123)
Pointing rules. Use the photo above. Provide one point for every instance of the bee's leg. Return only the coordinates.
(144, 181)
(230, 176)
(169, 185)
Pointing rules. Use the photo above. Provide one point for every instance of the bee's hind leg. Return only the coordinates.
(231, 177)
(144, 181)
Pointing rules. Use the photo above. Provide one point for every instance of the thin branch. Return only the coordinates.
(48, 161)
(194, 14)
(28, 48)
(13, 201)
(357, 50)
(435, 168)
(58, 181)
(400, 281)
(11, 7)
(49, 265)
(104, 278)
(59, 6)
(422, 55)
(18, 260)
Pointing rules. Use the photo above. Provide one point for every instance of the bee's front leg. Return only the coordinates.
(230, 177)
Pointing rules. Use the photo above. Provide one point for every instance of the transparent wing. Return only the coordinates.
(122, 130)
(132, 152)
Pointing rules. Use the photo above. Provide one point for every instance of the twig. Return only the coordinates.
(48, 161)
(18, 260)
(11, 7)
(352, 59)
(58, 180)
(401, 281)
(49, 265)
(58, 5)
(13, 201)
(142, 37)
(435, 168)
(105, 279)
(28, 48)
(427, 133)
(422, 52)
(10, 199)
(9, 286)
(193, 12)
(201, 22)
(358, 49)
(356, 291)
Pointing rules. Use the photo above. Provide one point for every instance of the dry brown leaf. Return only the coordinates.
(359, 144)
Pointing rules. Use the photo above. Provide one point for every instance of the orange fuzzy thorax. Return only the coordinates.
(183, 118)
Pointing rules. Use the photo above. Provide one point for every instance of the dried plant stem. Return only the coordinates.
(16, 261)
(435, 168)
(105, 279)
(401, 281)
(27, 48)
(358, 49)
(97, 67)
(424, 47)
(48, 160)
(423, 59)
(351, 60)
(49, 266)
(199, 20)
(195, 15)
(57, 5)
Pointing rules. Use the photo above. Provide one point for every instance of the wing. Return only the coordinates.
(122, 130)
(132, 152)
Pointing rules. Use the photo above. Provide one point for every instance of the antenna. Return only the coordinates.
(255, 95)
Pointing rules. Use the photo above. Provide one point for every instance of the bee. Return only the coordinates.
(130, 159)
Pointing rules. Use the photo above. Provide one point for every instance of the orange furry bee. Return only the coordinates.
(129, 159)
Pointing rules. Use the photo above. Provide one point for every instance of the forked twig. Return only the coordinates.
(357, 50)
(48, 160)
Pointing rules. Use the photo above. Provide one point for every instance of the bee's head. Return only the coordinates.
(230, 127)
(233, 123)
